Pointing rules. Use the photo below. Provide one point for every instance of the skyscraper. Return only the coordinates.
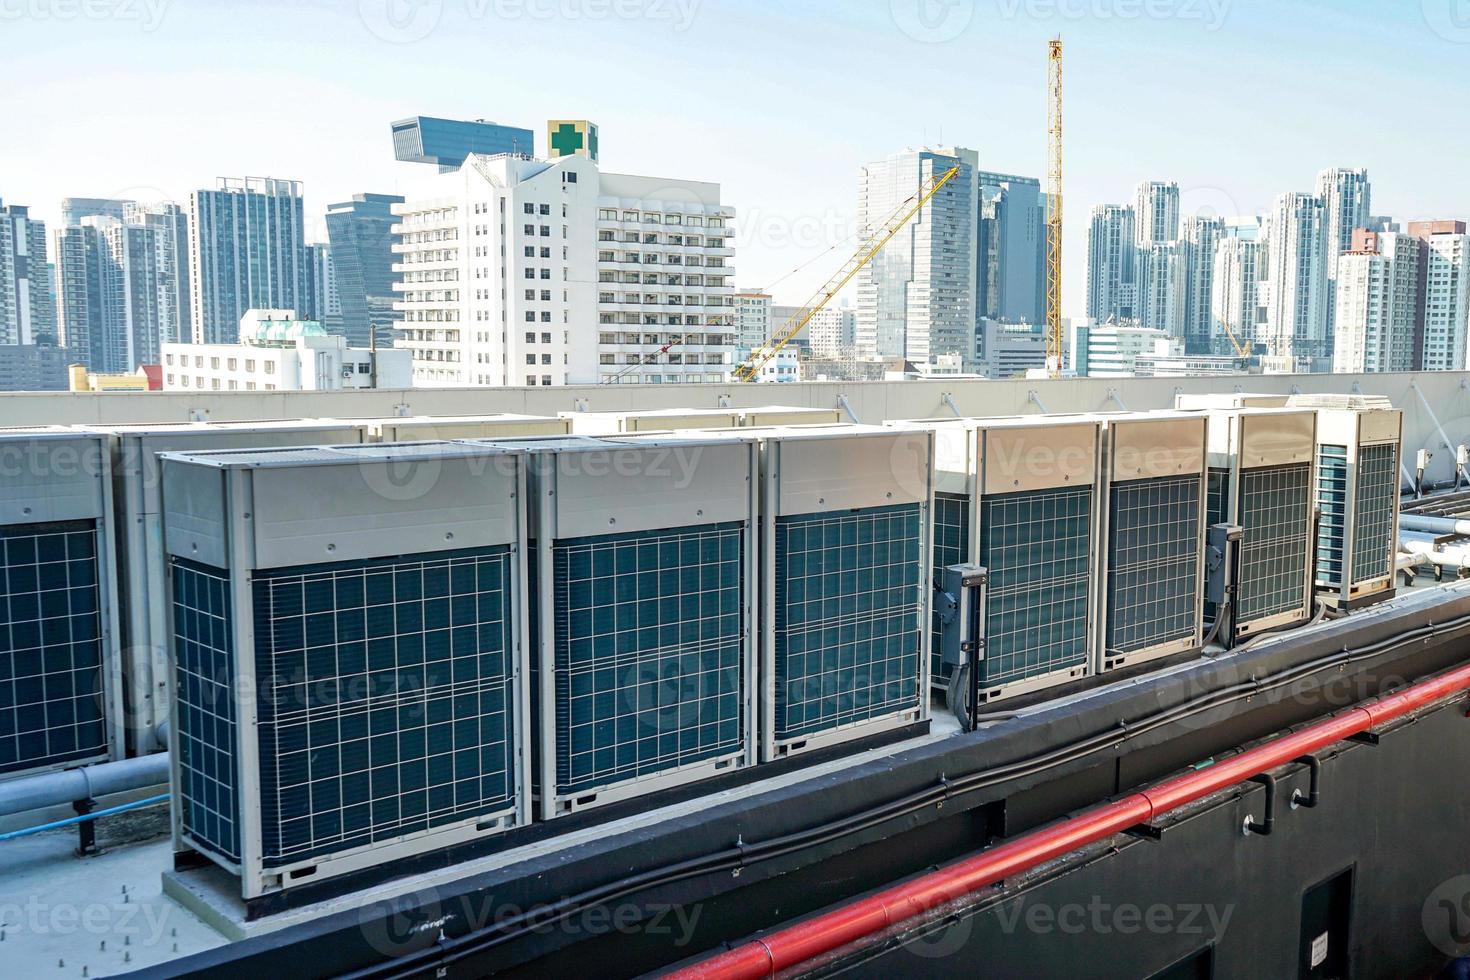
(917, 297)
(247, 249)
(752, 318)
(1347, 201)
(1202, 236)
(1380, 303)
(1233, 294)
(447, 142)
(74, 209)
(170, 226)
(1011, 233)
(26, 312)
(1446, 294)
(110, 293)
(1111, 274)
(323, 302)
(1295, 330)
(1156, 212)
(1163, 286)
(361, 233)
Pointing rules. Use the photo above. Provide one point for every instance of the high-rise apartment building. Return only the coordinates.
(1234, 303)
(832, 331)
(514, 271)
(74, 209)
(1156, 213)
(323, 303)
(110, 289)
(448, 142)
(1446, 294)
(361, 233)
(1163, 286)
(169, 224)
(26, 312)
(752, 318)
(1295, 328)
(1380, 303)
(247, 250)
(1347, 201)
(1202, 236)
(1111, 273)
(917, 297)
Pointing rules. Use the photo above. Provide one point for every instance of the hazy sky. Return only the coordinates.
(780, 102)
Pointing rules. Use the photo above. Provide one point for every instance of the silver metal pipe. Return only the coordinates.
(1434, 525)
(84, 783)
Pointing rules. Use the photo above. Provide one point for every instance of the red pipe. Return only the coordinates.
(796, 944)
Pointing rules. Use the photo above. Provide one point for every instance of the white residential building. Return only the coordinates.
(752, 318)
(1446, 294)
(1347, 201)
(1202, 236)
(1156, 213)
(517, 271)
(832, 331)
(26, 314)
(1163, 286)
(1010, 350)
(1295, 328)
(278, 352)
(1380, 306)
(1113, 349)
(1234, 294)
(1111, 276)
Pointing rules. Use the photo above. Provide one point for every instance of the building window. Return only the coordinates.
(530, 358)
(546, 379)
(569, 177)
(529, 208)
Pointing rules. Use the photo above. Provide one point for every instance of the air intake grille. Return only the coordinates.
(1274, 522)
(204, 678)
(951, 547)
(51, 684)
(649, 652)
(1377, 501)
(386, 698)
(1153, 562)
(848, 634)
(1332, 482)
(1036, 547)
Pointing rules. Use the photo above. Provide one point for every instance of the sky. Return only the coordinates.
(779, 102)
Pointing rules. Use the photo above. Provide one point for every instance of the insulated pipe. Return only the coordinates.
(1433, 525)
(796, 944)
(84, 783)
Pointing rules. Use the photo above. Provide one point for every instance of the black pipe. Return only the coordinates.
(1269, 824)
(1314, 794)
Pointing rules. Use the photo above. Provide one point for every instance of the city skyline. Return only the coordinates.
(793, 203)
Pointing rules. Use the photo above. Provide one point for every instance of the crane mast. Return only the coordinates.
(1054, 212)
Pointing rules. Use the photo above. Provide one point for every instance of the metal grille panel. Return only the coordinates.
(951, 547)
(1274, 508)
(386, 702)
(649, 652)
(51, 680)
(847, 630)
(1153, 562)
(1332, 480)
(1374, 513)
(1036, 547)
(204, 679)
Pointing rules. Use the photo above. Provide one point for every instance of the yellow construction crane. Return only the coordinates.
(1243, 352)
(891, 225)
(1054, 212)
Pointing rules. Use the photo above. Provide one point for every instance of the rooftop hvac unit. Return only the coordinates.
(1261, 480)
(428, 427)
(1358, 496)
(679, 419)
(1151, 581)
(846, 541)
(346, 637)
(643, 615)
(1228, 400)
(1018, 497)
(142, 640)
(60, 684)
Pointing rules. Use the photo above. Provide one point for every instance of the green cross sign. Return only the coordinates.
(592, 141)
(566, 140)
